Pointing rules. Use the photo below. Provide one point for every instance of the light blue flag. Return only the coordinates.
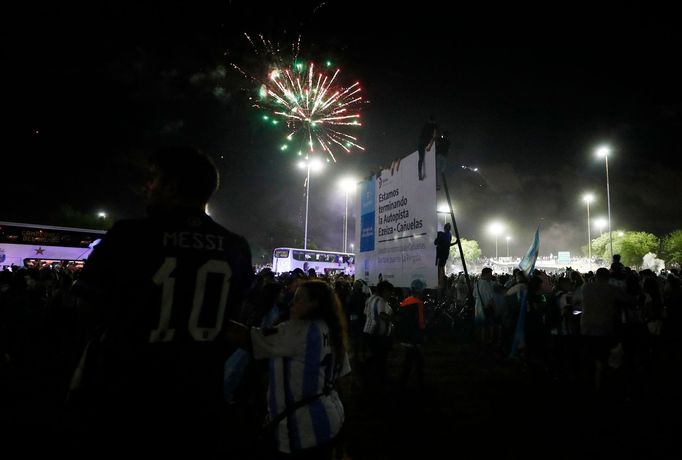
(236, 365)
(527, 264)
(519, 341)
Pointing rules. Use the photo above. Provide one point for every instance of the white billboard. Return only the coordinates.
(564, 257)
(398, 223)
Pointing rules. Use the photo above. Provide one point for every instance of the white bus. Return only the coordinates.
(288, 259)
(36, 245)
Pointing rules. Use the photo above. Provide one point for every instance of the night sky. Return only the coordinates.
(527, 93)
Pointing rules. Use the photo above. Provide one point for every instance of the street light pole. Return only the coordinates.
(589, 239)
(608, 204)
(307, 196)
(308, 164)
(496, 228)
(459, 242)
(587, 198)
(508, 238)
(345, 226)
(604, 151)
(348, 185)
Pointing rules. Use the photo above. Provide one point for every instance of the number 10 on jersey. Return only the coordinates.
(164, 279)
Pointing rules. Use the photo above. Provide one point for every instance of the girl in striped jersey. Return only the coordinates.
(307, 354)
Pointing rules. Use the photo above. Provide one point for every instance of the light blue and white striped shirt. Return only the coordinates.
(301, 365)
(375, 324)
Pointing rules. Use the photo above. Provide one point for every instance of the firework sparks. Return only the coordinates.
(314, 106)
(317, 109)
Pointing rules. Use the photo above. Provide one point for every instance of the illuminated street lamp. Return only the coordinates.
(347, 184)
(589, 198)
(603, 152)
(314, 164)
(601, 223)
(496, 229)
(102, 215)
(443, 210)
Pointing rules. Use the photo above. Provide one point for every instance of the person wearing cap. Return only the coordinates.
(411, 327)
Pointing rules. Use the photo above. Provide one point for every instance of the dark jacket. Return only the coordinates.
(443, 242)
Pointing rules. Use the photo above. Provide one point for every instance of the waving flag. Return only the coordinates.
(527, 264)
(519, 341)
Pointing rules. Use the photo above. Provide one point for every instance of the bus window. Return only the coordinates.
(282, 253)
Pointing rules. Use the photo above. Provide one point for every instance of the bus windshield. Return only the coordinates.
(20, 243)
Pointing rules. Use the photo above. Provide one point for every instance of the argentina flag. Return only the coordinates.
(519, 342)
(527, 264)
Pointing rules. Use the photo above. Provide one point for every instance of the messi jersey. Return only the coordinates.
(163, 288)
(301, 365)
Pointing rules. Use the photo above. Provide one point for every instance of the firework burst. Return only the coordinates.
(318, 110)
(314, 106)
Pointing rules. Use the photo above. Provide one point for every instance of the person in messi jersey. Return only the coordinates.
(159, 292)
(307, 355)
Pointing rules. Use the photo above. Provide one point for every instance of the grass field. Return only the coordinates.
(475, 405)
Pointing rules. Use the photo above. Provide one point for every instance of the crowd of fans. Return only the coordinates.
(614, 330)
(616, 326)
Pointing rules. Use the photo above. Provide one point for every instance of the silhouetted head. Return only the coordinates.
(602, 275)
(384, 289)
(180, 177)
(417, 287)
